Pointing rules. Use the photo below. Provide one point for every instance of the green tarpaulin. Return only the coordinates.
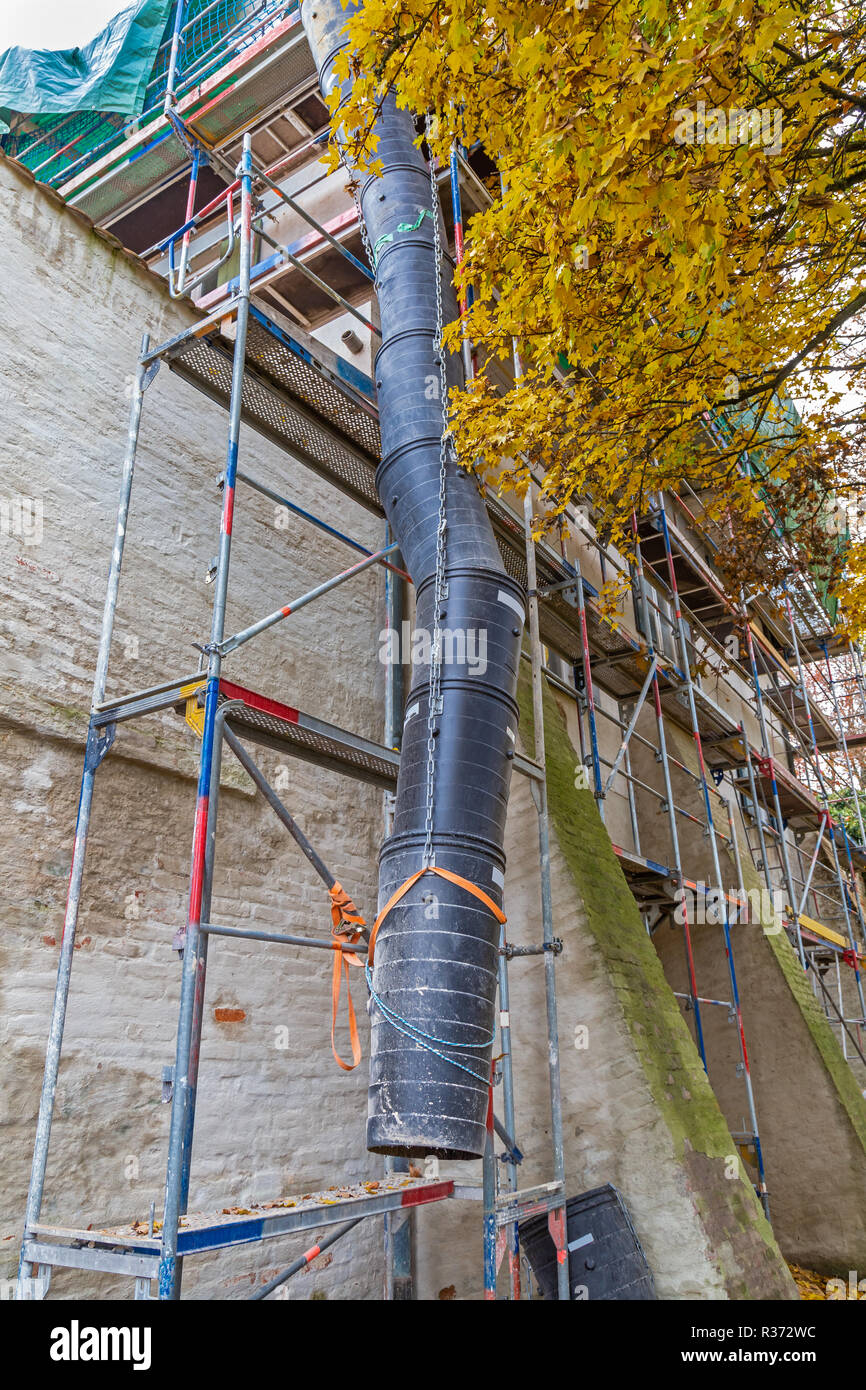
(108, 74)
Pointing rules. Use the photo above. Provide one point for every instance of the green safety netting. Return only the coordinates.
(59, 110)
(108, 74)
(779, 423)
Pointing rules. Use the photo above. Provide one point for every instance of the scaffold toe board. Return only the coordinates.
(268, 722)
(285, 729)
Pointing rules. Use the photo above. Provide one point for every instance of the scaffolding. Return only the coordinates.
(267, 375)
(213, 55)
(779, 805)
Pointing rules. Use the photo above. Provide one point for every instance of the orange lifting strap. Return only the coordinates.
(413, 878)
(346, 920)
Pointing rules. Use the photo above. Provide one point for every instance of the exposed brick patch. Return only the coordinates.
(229, 1015)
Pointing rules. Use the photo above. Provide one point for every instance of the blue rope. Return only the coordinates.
(418, 1036)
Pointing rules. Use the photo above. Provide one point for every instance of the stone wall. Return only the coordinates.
(275, 1114)
(811, 1111)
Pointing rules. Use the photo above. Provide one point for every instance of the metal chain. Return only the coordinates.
(356, 199)
(440, 592)
(352, 187)
(434, 707)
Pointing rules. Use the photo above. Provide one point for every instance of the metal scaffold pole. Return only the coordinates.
(843, 742)
(507, 1071)
(589, 693)
(99, 741)
(399, 1228)
(201, 964)
(669, 799)
(774, 787)
(843, 890)
(756, 809)
(556, 1216)
(192, 980)
(859, 676)
(505, 1063)
(714, 850)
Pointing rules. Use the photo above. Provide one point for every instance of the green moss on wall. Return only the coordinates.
(668, 1056)
(826, 1042)
(820, 1030)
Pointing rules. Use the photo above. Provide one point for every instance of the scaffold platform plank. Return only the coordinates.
(812, 928)
(721, 740)
(785, 698)
(698, 587)
(275, 725)
(215, 108)
(619, 661)
(295, 393)
(796, 801)
(650, 882)
(200, 1232)
(268, 722)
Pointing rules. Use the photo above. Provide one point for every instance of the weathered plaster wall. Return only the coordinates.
(811, 1112)
(275, 1114)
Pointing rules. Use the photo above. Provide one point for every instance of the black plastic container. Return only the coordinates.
(605, 1259)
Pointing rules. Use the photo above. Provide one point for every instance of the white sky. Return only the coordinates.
(54, 23)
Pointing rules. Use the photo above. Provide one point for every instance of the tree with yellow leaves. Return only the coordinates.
(675, 238)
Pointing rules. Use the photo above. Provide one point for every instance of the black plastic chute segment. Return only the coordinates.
(432, 1010)
(482, 645)
(475, 736)
(436, 966)
(408, 483)
(605, 1258)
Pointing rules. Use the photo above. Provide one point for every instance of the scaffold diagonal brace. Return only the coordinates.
(632, 723)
